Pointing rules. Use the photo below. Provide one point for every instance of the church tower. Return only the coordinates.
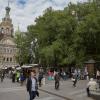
(8, 48)
(6, 26)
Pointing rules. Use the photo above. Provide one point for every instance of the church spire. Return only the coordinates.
(6, 24)
(8, 3)
(7, 11)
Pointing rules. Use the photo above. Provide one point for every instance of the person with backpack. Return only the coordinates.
(32, 86)
(22, 78)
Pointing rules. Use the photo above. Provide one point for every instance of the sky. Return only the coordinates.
(24, 12)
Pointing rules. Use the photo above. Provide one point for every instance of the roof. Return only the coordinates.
(91, 61)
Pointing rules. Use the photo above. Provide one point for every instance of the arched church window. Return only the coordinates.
(2, 30)
(12, 31)
(11, 59)
(4, 59)
(4, 50)
(11, 51)
(7, 59)
(8, 50)
(7, 30)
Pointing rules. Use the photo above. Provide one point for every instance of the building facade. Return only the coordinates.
(8, 47)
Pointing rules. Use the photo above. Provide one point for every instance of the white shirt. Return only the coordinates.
(92, 85)
(33, 84)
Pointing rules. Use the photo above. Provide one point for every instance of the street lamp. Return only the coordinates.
(74, 13)
(32, 50)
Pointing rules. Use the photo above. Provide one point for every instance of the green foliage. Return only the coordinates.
(64, 38)
(23, 45)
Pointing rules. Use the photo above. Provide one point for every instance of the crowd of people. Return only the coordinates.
(34, 80)
(14, 75)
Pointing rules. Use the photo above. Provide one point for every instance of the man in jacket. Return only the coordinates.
(32, 85)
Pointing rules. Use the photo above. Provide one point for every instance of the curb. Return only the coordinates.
(66, 98)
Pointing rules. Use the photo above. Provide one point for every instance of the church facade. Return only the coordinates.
(8, 49)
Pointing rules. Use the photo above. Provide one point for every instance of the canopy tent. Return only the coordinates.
(34, 65)
(26, 66)
(18, 68)
(4, 68)
(29, 66)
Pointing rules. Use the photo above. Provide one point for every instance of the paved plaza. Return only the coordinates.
(10, 91)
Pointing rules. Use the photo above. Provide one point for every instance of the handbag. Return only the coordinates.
(73, 79)
(37, 93)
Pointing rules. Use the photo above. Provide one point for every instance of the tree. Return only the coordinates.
(23, 48)
(64, 38)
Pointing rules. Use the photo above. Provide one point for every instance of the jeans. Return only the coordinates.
(32, 95)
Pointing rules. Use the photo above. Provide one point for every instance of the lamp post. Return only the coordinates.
(32, 50)
(74, 13)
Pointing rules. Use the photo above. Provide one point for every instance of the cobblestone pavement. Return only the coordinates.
(67, 90)
(13, 91)
(10, 91)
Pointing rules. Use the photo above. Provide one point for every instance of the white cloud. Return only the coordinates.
(26, 14)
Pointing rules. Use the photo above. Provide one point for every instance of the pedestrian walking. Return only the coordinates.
(32, 86)
(17, 76)
(98, 74)
(22, 78)
(57, 79)
(98, 77)
(40, 77)
(13, 76)
(91, 86)
(74, 79)
(2, 76)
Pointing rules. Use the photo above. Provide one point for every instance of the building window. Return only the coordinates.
(2, 30)
(4, 59)
(7, 30)
(7, 51)
(7, 59)
(4, 50)
(10, 59)
(11, 51)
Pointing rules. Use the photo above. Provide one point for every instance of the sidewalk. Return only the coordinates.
(13, 91)
(7, 83)
(67, 91)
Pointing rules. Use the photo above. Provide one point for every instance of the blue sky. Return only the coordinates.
(24, 12)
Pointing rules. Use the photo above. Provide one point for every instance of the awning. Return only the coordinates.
(18, 68)
(91, 61)
(26, 66)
